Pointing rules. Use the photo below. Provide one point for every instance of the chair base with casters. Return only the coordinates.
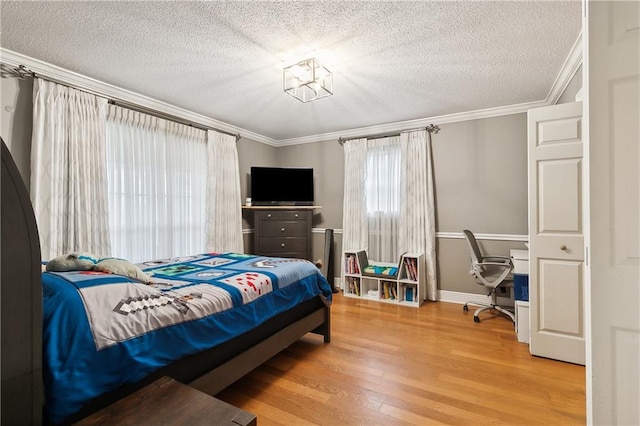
(487, 307)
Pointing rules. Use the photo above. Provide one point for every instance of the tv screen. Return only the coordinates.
(281, 186)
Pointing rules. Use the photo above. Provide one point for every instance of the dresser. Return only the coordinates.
(283, 231)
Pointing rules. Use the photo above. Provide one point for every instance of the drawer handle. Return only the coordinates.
(269, 215)
(282, 245)
(296, 215)
(282, 230)
(563, 247)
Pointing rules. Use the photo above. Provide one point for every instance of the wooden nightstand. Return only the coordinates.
(169, 402)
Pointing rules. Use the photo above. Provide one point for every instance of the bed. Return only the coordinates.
(273, 302)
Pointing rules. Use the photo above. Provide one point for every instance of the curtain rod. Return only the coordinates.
(23, 72)
(431, 128)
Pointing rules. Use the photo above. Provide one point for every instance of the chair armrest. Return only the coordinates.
(494, 258)
(499, 264)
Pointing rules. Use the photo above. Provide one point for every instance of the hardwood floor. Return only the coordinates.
(391, 365)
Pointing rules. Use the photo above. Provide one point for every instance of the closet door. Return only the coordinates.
(556, 233)
(613, 108)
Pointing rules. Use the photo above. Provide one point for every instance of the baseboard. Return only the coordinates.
(462, 298)
(455, 296)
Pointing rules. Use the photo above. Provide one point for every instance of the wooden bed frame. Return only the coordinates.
(21, 311)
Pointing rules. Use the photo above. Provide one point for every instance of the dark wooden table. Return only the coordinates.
(169, 402)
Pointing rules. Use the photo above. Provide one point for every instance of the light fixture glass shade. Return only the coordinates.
(308, 80)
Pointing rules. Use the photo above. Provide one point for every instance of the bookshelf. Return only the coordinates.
(406, 287)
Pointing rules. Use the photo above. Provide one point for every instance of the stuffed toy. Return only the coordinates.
(81, 261)
(76, 261)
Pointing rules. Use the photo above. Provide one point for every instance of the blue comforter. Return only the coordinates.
(101, 331)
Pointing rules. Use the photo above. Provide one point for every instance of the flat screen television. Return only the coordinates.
(275, 186)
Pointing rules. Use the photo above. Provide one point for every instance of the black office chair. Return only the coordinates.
(490, 271)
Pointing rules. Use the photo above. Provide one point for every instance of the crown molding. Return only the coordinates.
(568, 71)
(413, 124)
(99, 88)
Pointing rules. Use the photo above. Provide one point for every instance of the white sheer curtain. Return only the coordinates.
(354, 209)
(417, 214)
(68, 177)
(224, 215)
(382, 197)
(157, 186)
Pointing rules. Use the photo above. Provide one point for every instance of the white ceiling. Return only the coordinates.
(392, 61)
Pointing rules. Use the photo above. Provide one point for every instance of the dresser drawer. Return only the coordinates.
(288, 254)
(281, 245)
(281, 215)
(283, 228)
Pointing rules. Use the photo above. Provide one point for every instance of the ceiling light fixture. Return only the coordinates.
(308, 80)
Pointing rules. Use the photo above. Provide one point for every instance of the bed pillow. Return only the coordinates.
(76, 261)
(122, 267)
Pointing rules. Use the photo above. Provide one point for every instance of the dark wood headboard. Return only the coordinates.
(21, 301)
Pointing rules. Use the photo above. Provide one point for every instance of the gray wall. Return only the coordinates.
(480, 169)
(15, 127)
(251, 153)
(327, 161)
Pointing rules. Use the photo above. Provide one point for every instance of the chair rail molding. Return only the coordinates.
(491, 237)
(313, 231)
(447, 235)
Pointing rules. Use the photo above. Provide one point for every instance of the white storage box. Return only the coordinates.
(522, 321)
(520, 260)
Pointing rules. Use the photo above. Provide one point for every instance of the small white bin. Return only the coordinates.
(520, 260)
(522, 321)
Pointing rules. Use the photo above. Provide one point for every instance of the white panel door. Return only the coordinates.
(556, 233)
(612, 108)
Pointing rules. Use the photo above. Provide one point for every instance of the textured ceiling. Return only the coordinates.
(392, 61)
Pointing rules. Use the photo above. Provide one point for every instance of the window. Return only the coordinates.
(382, 197)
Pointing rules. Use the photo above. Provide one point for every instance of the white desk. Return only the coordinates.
(520, 260)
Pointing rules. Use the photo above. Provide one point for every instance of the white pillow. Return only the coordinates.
(122, 267)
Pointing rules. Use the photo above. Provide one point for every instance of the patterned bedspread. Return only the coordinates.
(101, 331)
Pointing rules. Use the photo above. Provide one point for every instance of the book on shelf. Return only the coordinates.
(411, 267)
(354, 285)
(410, 294)
(355, 261)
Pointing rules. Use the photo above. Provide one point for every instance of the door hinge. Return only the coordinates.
(586, 255)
